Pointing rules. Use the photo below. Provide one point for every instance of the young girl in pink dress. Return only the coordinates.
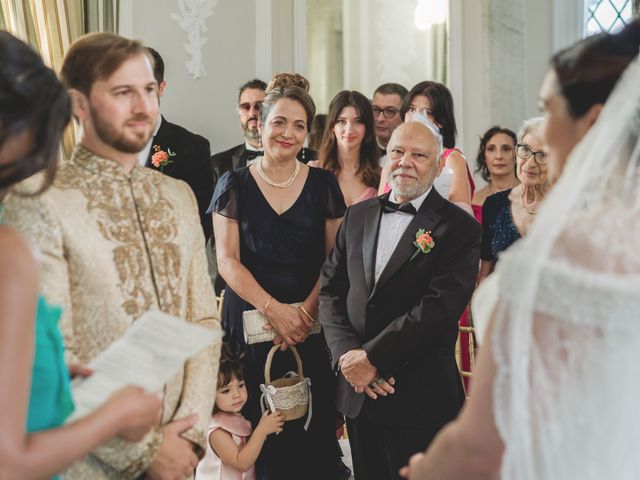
(232, 449)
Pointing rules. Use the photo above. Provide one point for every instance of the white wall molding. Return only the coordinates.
(456, 62)
(568, 22)
(264, 39)
(300, 36)
(192, 20)
(125, 18)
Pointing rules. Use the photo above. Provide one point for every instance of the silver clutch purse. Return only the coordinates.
(254, 321)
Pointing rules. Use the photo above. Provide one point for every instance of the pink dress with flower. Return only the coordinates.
(211, 467)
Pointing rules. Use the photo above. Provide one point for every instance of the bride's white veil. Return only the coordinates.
(565, 338)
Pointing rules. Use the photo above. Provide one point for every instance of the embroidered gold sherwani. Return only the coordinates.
(113, 246)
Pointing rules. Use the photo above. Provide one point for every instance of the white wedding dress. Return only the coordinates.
(564, 302)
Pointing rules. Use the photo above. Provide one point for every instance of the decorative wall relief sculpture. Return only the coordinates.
(192, 17)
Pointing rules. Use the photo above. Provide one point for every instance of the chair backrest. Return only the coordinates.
(465, 352)
(220, 301)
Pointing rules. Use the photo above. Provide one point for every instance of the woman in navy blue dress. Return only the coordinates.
(274, 222)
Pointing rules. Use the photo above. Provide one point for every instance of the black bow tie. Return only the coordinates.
(252, 154)
(390, 207)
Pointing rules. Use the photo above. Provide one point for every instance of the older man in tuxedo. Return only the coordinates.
(401, 273)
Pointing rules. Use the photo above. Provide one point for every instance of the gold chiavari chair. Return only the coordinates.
(471, 345)
(220, 302)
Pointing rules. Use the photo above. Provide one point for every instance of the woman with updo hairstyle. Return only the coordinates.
(496, 164)
(283, 80)
(35, 393)
(349, 147)
(275, 222)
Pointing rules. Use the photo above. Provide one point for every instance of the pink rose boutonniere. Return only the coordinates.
(424, 242)
(160, 158)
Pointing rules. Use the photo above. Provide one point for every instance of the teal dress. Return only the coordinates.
(50, 400)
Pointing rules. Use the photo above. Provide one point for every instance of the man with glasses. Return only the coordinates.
(249, 100)
(386, 113)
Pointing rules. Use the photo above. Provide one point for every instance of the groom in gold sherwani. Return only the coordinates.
(115, 240)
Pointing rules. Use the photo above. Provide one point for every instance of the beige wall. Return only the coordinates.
(207, 105)
(476, 113)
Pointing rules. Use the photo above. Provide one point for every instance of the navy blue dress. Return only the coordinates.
(498, 230)
(284, 253)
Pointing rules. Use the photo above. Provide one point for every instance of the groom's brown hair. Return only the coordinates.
(96, 56)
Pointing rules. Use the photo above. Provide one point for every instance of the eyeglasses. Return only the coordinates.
(388, 112)
(524, 152)
(246, 106)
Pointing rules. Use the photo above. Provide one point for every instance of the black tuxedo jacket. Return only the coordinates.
(191, 164)
(230, 159)
(407, 321)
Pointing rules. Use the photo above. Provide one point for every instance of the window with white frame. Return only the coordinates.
(607, 15)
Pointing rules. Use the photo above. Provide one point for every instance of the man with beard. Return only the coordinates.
(250, 99)
(402, 271)
(190, 161)
(115, 240)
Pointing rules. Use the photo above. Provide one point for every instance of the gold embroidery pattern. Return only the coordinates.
(96, 263)
(131, 212)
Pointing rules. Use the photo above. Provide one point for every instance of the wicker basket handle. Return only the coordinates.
(267, 366)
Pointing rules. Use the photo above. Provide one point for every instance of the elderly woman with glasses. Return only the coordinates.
(507, 215)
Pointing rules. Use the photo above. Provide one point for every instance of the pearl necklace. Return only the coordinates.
(284, 184)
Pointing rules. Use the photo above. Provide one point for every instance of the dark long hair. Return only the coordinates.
(368, 167)
(441, 105)
(34, 102)
(481, 161)
(588, 70)
(230, 366)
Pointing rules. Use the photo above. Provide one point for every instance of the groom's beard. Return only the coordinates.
(119, 136)
(251, 133)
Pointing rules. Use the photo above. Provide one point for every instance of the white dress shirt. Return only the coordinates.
(392, 227)
(253, 149)
(144, 153)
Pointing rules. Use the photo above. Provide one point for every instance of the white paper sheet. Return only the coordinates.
(152, 351)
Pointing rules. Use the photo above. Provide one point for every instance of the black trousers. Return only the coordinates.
(380, 451)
